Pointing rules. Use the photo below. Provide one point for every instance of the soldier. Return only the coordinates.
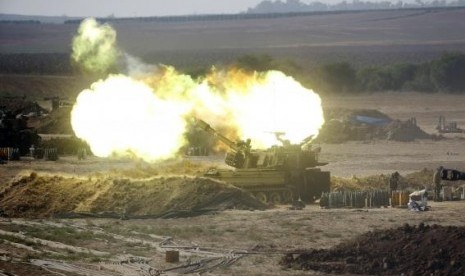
(394, 181)
(437, 177)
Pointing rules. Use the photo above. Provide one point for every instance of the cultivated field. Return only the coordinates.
(371, 37)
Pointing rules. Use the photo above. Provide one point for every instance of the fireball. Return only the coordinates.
(123, 116)
(147, 116)
(264, 104)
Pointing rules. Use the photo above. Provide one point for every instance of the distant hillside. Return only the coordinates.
(11, 18)
(293, 6)
(362, 38)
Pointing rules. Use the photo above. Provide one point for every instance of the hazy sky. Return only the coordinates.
(123, 7)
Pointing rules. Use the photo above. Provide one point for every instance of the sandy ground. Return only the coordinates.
(382, 157)
(376, 157)
(236, 242)
(256, 238)
(426, 108)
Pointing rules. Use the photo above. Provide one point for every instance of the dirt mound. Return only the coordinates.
(408, 250)
(405, 131)
(345, 114)
(43, 196)
(366, 124)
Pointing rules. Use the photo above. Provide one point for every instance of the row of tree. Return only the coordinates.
(19, 22)
(292, 6)
(446, 74)
(40, 63)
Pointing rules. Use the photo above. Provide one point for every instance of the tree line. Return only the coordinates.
(19, 22)
(291, 6)
(32, 63)
(445, 74)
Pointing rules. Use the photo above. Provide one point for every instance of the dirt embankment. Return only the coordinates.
(367, 124)
(43, 196)
(407, 250)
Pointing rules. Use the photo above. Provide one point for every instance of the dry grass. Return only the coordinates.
(415, 180)
(45, 196)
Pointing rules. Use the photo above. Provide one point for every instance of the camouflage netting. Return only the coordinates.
(416, 180)
(356, 125)
(407, 250)
(44, 196)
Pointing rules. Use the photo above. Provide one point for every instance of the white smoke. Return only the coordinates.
(136, 68)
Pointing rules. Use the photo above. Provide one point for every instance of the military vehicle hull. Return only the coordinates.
(274, 186)
(279, 174)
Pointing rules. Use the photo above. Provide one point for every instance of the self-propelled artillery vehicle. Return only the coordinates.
(279, 174)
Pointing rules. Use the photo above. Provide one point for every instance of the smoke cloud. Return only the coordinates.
(94, 46)
(145, 112)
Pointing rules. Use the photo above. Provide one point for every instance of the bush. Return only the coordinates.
(338, 78)
(259, 63)
(421, 81)
(65, 146)
(448, 73)
(373, 79)
(391, 78)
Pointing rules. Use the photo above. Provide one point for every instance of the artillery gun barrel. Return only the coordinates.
(203, 125)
